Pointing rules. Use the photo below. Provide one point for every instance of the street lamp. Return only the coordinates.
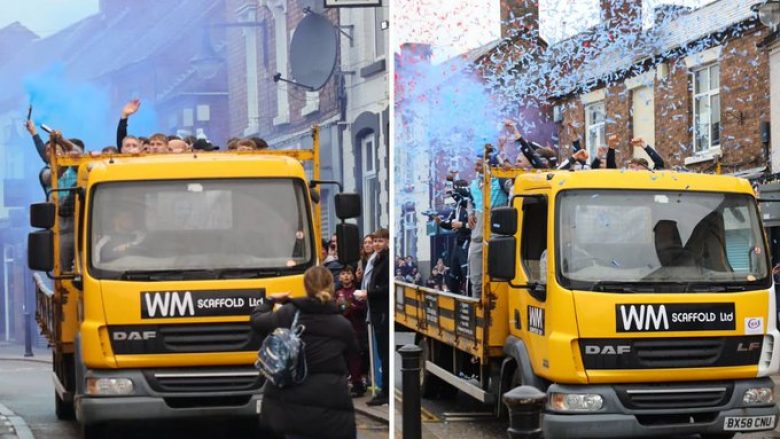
(769, 13)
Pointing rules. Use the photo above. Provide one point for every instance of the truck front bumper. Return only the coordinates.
(616, 420)
(149, 402)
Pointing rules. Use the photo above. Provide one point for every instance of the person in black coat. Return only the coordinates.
(320, 406)
(378, 294)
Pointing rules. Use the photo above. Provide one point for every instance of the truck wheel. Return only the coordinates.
(93, 431)
(429, 383)
(63, 410)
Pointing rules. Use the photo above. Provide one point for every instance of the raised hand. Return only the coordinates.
(30, 125)
(130, 108)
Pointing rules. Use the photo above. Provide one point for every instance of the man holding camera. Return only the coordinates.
(457, 221)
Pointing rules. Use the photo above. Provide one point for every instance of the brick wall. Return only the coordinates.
(267, 89)
(674, 114)
(744, 102)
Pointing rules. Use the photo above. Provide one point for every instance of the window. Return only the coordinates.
(620, 240)
(370, 183)
(185, 225)
(706, 108)
(203, 113)
(533, 249)
(596, 129)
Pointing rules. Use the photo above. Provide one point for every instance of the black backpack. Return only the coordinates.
(281, 357)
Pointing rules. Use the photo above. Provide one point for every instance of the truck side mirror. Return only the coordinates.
(502, 258)
(349, 243)
(503, 220)
(40, 250)
(347, 206)
(42, 215)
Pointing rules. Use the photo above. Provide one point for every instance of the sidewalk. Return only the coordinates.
(381, 413)
(13, 351)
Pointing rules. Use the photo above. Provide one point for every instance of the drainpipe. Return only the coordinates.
(7, 259)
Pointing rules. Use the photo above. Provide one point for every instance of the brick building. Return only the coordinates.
(695, 85)
(351, 109)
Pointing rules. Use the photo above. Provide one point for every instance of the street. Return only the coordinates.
(464, 418)
(26, 389)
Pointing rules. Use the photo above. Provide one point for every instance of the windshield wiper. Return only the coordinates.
(243, 273)
(161, 275)
(622, 287)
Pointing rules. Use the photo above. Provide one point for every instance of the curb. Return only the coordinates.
(21, 428)
(30, 359)
(372, 415)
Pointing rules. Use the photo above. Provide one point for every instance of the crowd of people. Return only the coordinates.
(406, 270)
(462, 272)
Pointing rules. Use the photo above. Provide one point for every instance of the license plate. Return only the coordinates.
(741, 423)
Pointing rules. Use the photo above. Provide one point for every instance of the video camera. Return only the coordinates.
(458, 190)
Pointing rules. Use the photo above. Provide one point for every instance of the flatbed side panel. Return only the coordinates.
(456, 320)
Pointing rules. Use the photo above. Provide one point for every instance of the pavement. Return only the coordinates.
(15, 352)
(12, 426)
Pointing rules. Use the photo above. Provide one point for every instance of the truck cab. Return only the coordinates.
(172, 253)
(641, 302)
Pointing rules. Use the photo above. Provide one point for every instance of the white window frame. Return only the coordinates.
(369, 172)
(378, 16)
(599, 128)
(708, 94)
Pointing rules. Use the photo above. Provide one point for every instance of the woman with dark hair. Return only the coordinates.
(320, 406)
(366, 250)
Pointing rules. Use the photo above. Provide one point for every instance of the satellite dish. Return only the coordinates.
(317, 6)
(313, 51)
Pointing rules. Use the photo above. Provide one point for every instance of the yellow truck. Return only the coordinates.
(172, 252)
(641, 303)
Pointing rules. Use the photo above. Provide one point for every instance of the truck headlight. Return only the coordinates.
(578, 402)
(759, 396)
(109, 386)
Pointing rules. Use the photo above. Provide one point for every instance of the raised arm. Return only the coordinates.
(40, 147)
(121, 130)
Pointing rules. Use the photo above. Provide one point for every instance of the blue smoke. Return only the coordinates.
(81, 109)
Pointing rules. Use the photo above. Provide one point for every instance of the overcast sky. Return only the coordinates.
(45, 17)
(457, 26)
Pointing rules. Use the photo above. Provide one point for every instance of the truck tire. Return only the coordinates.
(63, 368)
(431, 386)
(429, 383)
(63, 410)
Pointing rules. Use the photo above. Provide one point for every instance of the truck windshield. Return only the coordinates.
(644, 241)
(203, 227)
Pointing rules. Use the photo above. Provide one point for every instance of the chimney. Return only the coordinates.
(518, 16)
(665, 13)
(623, 16)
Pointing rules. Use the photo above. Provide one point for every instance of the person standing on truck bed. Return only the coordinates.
(457, 221)
(320, 406)
(499, 196)
(65, 180)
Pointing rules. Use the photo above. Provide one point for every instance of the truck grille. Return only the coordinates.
(670, 353)
(209, 338)
(687, 352)
(679, 396)
(204, 380)
(182, 339)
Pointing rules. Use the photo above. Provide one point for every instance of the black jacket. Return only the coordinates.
(321, 405)
(379, 286)
(459, 213)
